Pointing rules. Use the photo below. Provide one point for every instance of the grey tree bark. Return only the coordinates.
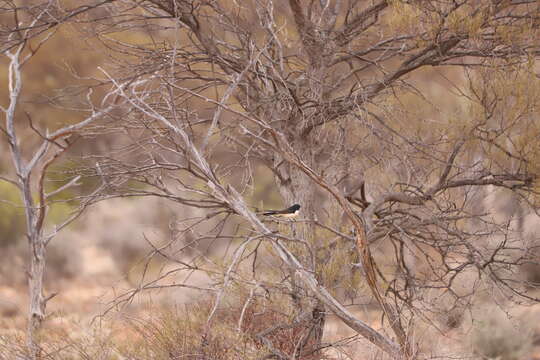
(30, 164)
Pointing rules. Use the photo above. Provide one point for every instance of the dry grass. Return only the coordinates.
(180, 332)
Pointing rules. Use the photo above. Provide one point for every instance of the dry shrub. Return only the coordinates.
(12, 346)
(497, 336)
(280, 331)
(182, 333)
(69, 342)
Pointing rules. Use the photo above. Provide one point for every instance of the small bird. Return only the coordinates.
(287, 213)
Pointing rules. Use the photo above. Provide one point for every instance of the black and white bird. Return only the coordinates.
(289, 212)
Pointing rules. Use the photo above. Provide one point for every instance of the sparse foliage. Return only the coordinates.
(393, 124)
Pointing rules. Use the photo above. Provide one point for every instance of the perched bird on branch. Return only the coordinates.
(286, 213)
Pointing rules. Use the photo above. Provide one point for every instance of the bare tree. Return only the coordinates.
(323, 95)
(34, 152)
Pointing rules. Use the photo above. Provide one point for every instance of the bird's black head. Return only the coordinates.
(295, 207)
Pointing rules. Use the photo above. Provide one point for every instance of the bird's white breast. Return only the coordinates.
(291, 215)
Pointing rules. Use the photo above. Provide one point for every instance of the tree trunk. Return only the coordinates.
(37, 303)
(300, 189)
